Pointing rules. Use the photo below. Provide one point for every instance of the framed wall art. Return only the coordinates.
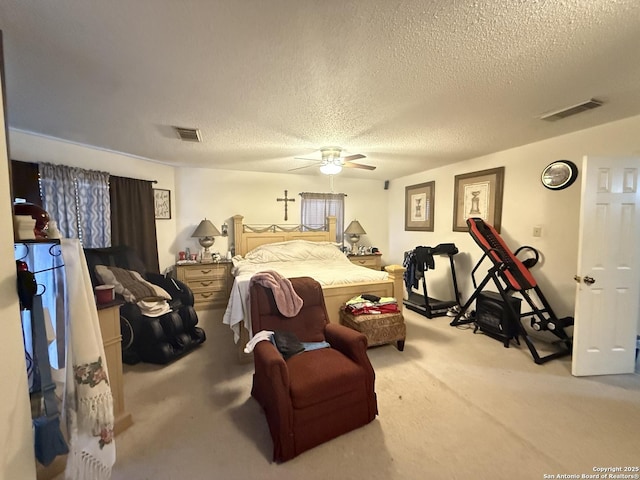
(162, 203)
(478, 194)
(418, 207)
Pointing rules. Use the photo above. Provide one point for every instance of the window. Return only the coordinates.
(316, 207)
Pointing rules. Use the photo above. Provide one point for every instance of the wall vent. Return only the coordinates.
(575, 109)
(188, 134)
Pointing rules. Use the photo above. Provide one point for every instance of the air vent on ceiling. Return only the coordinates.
(188, 134)
(575, 109)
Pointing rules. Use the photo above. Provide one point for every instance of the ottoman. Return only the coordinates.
(378, 328)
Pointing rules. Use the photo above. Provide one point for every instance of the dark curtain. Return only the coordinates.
(133, 218)
(25, 183)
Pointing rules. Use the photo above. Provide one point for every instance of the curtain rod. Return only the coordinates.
(131, 178)
(318, 193)
(86, 169)
(141, 179)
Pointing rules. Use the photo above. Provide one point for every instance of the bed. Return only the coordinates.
(300, 251)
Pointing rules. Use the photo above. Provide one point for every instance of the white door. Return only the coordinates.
(608, 289)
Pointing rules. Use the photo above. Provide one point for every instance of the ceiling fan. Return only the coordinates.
(332, 162)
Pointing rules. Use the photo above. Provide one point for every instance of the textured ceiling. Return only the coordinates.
(410, 84)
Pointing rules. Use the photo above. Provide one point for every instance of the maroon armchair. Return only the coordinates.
(315, 395)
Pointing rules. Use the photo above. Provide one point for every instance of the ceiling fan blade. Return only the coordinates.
(300, 168)
(307, 158)
(358, 165)
(357, 156)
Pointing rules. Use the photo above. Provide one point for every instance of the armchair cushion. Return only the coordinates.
(320, 375)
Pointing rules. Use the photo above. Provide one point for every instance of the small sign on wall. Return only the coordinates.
(162, 203)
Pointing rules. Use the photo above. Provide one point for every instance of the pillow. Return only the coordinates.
(295, 250)
(130, 284)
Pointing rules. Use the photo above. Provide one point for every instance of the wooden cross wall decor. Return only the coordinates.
(286, 202)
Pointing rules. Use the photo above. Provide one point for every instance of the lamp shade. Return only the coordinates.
(206, 229)
(355, 228)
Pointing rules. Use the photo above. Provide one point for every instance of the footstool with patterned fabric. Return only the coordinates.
(379, 328)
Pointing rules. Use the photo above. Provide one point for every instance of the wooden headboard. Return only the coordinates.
(247, 237)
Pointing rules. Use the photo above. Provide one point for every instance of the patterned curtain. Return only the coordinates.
(94, 208)
(316, 207)
(78, 200)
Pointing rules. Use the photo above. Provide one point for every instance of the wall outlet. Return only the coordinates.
(537, 231)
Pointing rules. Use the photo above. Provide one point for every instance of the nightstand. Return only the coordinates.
(209, 282)
(371, 261)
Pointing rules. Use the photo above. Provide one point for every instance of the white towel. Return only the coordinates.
(258, 337)
(88, 400)
(154, 308)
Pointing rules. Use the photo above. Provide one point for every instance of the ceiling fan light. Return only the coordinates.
(330, 168)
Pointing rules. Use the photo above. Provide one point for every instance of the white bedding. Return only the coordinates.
(322, 261)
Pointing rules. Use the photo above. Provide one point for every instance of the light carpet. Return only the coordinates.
(453, 405)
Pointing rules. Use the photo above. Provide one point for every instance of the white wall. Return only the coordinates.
(526, 204)
(214, 194)
(28, 147)
(220, 194)
(16, 440)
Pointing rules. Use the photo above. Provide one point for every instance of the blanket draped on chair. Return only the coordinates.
(287, 300)
(88, 400)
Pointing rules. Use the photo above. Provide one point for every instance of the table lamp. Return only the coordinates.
(205, 233)
(354, 230)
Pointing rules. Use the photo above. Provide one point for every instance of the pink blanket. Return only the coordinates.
(287, 300)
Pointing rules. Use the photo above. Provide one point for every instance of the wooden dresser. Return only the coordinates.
(372, 261)
(210, 282)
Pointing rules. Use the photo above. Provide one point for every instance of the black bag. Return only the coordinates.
(48, 439)
(287, 344)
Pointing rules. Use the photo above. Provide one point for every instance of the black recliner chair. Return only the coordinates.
(150, 339)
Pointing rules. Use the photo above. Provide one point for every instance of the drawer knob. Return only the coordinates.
(206, 284)
(206, 271)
